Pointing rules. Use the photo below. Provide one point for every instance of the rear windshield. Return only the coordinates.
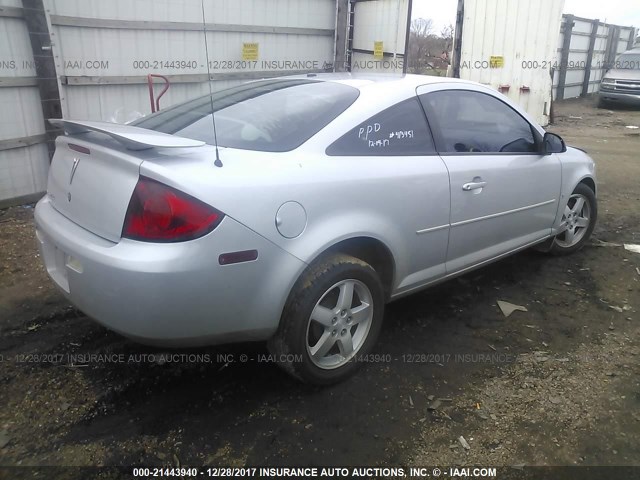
(272, 116)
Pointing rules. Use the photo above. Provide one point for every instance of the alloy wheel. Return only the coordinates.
(575, 221)
(339, 324)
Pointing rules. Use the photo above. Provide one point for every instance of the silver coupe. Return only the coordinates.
(292, 210)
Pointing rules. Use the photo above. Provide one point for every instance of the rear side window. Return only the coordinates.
(474, 122)
(270, 116)
(399, 130)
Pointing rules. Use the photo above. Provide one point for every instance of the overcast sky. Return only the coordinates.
(619, 12)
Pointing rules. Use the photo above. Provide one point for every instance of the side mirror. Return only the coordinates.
(553, 143)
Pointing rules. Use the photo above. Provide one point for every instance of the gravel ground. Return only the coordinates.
(556, 385)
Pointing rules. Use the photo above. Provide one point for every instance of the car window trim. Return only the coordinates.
(486, 154)
(439, 140)
(426, 119)
(174, 113)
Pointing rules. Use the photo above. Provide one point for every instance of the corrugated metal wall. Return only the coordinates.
(499, 37)
(103, 51)
(107, 52)
(23, 157)
(589, 47)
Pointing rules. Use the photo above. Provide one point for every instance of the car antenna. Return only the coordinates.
(218, 162)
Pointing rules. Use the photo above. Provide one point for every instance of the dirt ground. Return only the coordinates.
(556, 385)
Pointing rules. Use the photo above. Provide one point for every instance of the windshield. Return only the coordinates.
(272, 116)
(628, 61)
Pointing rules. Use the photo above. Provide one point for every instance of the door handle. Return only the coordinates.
(467, 187)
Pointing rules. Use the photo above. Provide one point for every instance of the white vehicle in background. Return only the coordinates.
(621, 84)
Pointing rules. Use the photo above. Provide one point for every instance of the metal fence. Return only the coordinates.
(24, 161)
(586, 49)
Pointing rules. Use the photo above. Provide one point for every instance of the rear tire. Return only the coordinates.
(332, 317)
(578, 219)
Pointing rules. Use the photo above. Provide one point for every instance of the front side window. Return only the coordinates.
(474, 122)
(270, 116)
(399, 130)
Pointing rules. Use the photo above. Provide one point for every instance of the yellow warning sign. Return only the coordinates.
(378, 49)
(496, 61)
(250, 51)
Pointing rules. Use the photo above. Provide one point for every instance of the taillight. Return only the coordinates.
(159, 213)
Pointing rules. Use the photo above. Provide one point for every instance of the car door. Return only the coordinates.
(504, 192)
(402, 184)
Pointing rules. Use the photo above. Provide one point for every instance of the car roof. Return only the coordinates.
(381, 81)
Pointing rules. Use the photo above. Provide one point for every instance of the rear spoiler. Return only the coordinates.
(133, 138)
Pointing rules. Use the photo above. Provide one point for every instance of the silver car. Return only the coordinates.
(325, 198)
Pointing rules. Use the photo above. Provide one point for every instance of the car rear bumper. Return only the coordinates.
(172, 294)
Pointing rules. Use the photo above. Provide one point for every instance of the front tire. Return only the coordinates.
(332, 316)
(578, 221)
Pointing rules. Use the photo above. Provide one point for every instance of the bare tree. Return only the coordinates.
(421, 27)
(428, 52)
(447, 35)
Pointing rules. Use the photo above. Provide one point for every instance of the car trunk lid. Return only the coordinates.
(92, 177)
